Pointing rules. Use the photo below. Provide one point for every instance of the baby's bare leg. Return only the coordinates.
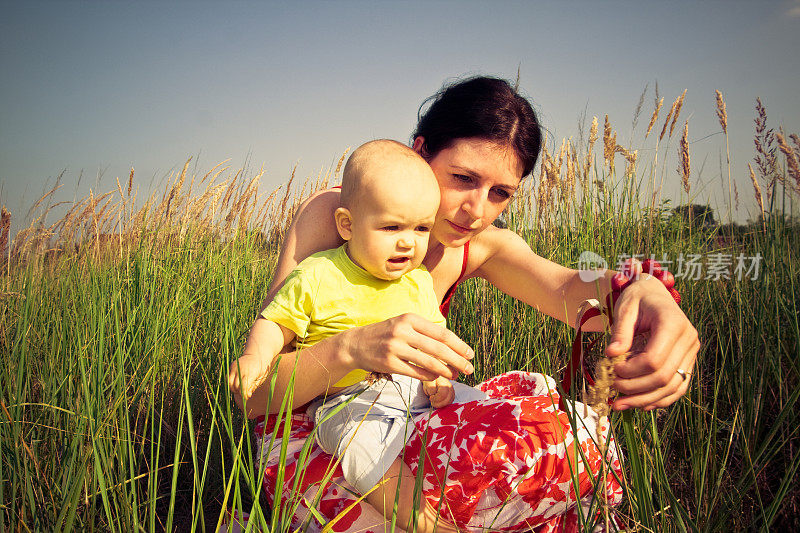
(382, 498)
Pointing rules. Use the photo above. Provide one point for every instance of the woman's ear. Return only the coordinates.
(344, 222)
(419, 147)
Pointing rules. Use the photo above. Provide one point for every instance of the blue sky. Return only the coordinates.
(98, 87)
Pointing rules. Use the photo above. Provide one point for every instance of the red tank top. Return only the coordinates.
(445, 307)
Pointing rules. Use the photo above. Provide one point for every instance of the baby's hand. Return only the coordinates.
(245, 375)
(440, 391)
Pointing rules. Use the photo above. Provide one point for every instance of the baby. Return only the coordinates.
(389, 201)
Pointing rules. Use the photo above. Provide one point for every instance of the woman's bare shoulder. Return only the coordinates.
(488, 244)
(320, 206)
(313, 228)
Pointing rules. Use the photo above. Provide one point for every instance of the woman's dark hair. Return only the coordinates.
(483, 107)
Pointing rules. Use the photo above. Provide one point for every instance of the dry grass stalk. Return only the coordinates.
(654, 117)
(598, 399)
(608, 148)
(572, 166)
(609, 145)
(282, 206)
(215, 167)
(683, 154)
(759, 198)
(5, 230)
(119, 189)
(593, 134)
(630, 159)
(561, 152)
(182, 178)
(45, 196)
(678, 106)
(67, 223)
(796, 140)
(130, 183)
(669, 117)
(722, 113)
(229, 192)
(542, 197)
(791, 158)
(265, 209)
(766, 158)
(638, 110)
(340, 163)
(592, 139)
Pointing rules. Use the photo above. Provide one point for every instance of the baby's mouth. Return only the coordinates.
(399, 260)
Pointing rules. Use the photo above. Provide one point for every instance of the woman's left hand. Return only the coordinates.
(652, 379)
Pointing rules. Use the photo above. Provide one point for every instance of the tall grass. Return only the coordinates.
(119, 320)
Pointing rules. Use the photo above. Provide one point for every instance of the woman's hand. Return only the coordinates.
(651, 379)
(410, 345)
(407, 344)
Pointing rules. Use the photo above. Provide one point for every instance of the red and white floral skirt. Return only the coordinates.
(511, 462)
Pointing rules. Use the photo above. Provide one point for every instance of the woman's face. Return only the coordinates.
(477, 178)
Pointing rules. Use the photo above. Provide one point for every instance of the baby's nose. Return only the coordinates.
(405, 242)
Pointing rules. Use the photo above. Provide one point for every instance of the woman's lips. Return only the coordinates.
(459, 229)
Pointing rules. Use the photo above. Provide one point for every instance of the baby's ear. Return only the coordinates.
(343, 222)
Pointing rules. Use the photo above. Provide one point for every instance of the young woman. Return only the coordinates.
(504, 463)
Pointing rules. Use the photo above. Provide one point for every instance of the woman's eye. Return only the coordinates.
(462, 177)
(502, 193)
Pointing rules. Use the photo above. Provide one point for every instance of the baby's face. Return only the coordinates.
(392, 224)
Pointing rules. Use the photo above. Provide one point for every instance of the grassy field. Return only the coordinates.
(119, 320)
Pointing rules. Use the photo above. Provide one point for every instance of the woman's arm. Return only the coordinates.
(312, 230)
(407, 344)
(648, 380)
(506, 261)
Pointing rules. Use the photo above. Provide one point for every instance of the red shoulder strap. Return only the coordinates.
(445, 307)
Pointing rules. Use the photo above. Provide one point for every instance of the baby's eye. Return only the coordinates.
(389, 228)
(423, 229)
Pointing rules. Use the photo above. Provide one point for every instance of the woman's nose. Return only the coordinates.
(473, 204)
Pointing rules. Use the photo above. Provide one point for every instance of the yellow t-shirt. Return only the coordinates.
(327, 293)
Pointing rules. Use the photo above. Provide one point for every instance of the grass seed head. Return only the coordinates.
(683, 153)
(756, 188)
(638, 110)
(764, 140)
(5, 229)
(341, 162)
(654, 117)
(609, 144)
(796, 140)
(722, 113)
(792, 166)
(666, 121)
(593, 133)
(678, 106)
